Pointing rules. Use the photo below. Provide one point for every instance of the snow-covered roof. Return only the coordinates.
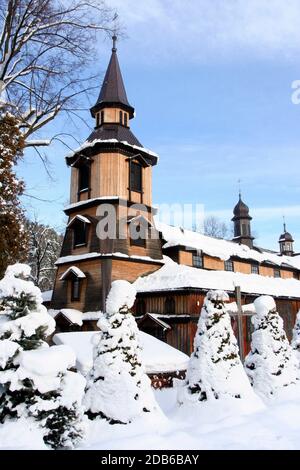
(176, 276)
(73, 269)
(88, 201)
(75, 316)
(71, 258)
(88, 144)
(156, 355)
(79, 217)
(219, 248)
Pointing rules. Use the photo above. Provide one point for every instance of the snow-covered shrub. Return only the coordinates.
(215, 370)
(35, 381)
(118, 389)
(271, 364)
(296, 338)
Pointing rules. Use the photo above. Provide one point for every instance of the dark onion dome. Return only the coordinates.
(241, 210)
(286, 237)
(113, 93)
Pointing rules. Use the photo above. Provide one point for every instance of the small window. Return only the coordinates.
(295, 275)
(102, 117)
(135, 177)
(277, 272)
(79, 230)
(125, 121)
(120, 117)
(97, 119)
(75, 293)
(197, 261)
(254, 269)
(228, 265)
(138, 235)
(84, 178)
(169, 305)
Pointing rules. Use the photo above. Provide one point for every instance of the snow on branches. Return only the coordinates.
(36, 383)
(215, 370)
(270, 364)
(118, 388)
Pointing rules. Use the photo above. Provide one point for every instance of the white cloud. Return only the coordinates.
(201, 30)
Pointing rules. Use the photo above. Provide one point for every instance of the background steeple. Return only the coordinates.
(286, 242)
(242, 223)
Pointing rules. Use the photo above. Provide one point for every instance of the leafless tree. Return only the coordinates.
(44, 249)
(215, 227)
(46, 47)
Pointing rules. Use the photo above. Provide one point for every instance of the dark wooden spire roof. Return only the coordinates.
(113, 91)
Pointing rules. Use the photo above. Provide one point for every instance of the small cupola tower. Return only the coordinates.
(286, 242)
(242, 224)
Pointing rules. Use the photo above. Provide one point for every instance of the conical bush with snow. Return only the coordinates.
(215, 370)
(35, 382)
(271, 364)
(118, 388)
(296, 340)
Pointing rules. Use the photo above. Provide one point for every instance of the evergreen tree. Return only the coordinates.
(35, 381)
(296, 338)
(215, 370)
(270, 364)
(13, 237)
(118, 389)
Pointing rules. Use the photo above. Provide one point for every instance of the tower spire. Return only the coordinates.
(284, 224)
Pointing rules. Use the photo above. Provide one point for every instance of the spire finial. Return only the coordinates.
(284, 224)
(240, 190)
(114, 39)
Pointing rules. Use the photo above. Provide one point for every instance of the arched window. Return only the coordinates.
(169, 305)
(125, 121)
(102, 117)
(141, 307)
(135, 177)
(97, 119)
(84, 178)
(120, 117)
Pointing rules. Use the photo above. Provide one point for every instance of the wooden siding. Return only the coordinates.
(186, 257)
(131, 270)
(242, 267)
(210, 262)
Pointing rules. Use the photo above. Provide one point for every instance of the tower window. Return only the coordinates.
(121, 117)
(277, 272)
(245, 230)
(79, 230)
(138, 235)
(125, 121)
(102, 117)
(169, 305)
(84, 178)
(197, 261)
(254, 269)
(295, 275)
(228, 265)
(97, 119)
(75, 289)
(135, 177)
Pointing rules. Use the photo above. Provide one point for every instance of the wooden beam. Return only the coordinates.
(240, 322)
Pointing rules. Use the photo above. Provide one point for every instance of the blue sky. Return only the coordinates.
(211, 84)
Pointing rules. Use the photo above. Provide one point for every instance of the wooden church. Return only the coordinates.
(111, 179)
(111, 168)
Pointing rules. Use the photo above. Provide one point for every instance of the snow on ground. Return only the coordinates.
(217, 425)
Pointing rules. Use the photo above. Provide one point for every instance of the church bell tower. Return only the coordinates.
(111, 174)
